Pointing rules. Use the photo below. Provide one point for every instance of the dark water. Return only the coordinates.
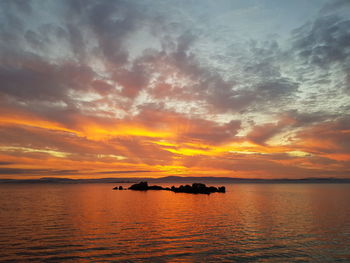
(251, 222)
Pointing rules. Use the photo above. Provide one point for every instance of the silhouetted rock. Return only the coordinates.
(196, 188)
(142, 186)
(155, 187)
(118, 188)
(222, 189)
(213, 189)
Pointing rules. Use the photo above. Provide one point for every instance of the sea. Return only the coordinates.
(90, 222)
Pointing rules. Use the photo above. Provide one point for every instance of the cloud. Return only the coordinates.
(31, 78)
(335, 5)
(28, 73)
(324, 42)
(189, 129)
(111, 22)
(31, 172)
(172, 72)
(327, 137)
(5, 163)
(128, 86)
(123, 172)
(323, 45)
(261, 133)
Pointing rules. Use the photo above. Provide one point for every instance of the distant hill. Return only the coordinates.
(176, 179)
(246, 180)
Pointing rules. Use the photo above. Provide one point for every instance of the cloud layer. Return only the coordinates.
(90, 88)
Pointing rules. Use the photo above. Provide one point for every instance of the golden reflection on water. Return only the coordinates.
(83, 222)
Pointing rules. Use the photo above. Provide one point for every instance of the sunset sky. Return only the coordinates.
(151, 88)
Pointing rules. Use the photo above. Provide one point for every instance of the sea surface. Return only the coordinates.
(249, 223)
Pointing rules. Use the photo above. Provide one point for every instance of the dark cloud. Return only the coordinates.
(31, 78)
(324, 42)
(27, 75)
(276, 90)
(24, 6)
(210, 132)
(334, 5)
(288, 121)
(133, 80)
(30, 172)
(6, 163)
(262, 85)
(260, 134)
(67, 75)
(111, 22)
(304, 119)
(125, 172)
(322, 47)
(328, 137)
(77, 41)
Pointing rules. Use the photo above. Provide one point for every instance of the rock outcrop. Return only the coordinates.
(142, 186)
(118, 188)
(196, 188)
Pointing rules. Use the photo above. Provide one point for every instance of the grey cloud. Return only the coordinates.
(209, 132)
(23, 6)
(260, 134)
(264, 94)
(99, 30)
(334, 5)
(208, 85)
(6, 163)
(304, 119)
(322, 49)
(20, 171)
(30, 78)
(263, 58)
(261, 85)
(288, 120)
(125, 172)
(84, 30)
(276, 89)
(77, 41)
(111, 22)
(324, 42)
(134, 79)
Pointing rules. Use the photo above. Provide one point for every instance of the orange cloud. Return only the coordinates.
(165, 143)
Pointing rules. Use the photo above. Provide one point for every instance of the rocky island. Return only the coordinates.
(195, 188)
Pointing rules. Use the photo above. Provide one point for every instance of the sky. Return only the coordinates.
(151, 88)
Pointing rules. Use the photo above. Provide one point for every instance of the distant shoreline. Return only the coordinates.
(177, 179)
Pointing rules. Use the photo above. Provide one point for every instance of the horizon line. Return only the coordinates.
(177, 177)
